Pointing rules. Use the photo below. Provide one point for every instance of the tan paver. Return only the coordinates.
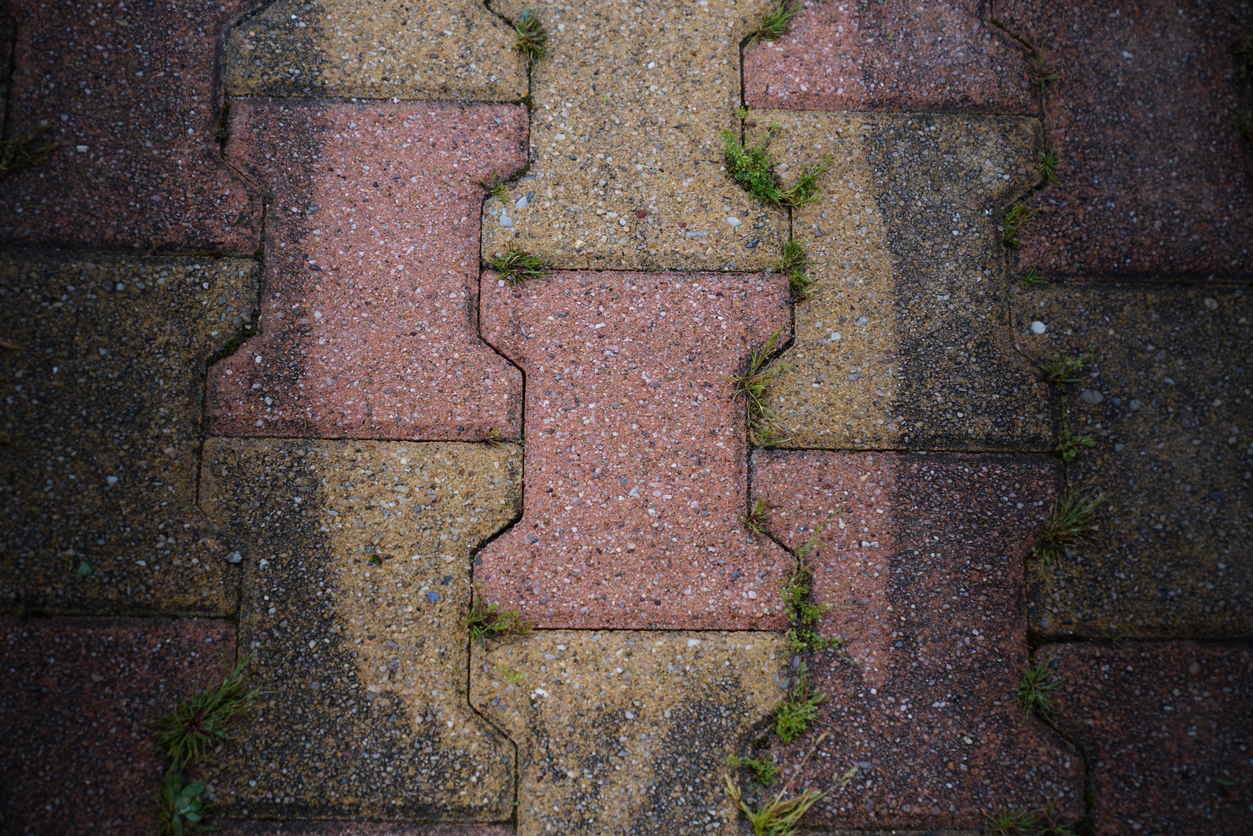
(355, 596)
(628, 732)
(100, 409)
(407, 49)
(626, 157)
(905, 341)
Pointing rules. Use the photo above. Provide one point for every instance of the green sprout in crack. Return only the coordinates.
(189, 730)
(20, 151)
(1063, 372)
(743, 111)
(1042, 73)
(517, 266)
(753, 386)
(798, 709)
(754, 169)
(758, 517)
(180, 808)
(780, 814)
(1069, 444)
(497, 439)
(1243, 50)
(495, 186)
(1036, 689)
(764, 771)
(532, 39)
(1071, 521)
(1030, 277)
(1018, 215)
(487, 620)
(794, 265)
(1048, 162)
(775, 23)
(1045, 821)
(802, 613)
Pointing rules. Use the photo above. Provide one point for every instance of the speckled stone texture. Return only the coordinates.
(922, 559)
(100, 409)
(363, 829)
(892, 55)
(368, 323)
(128, 91)
(356, 592)
(428, 49)
(1167, 405)
(1166, 727)
(1154, 184)
(75, 756)
(626, 157)
(636, 451)
(905, 341)
(628, 732)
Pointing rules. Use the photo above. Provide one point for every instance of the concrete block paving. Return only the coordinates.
(500, 552)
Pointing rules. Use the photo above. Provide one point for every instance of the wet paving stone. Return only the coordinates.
(369, 295)
(636, 451)
(363, 829)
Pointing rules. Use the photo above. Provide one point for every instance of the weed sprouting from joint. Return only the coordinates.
(532, 39)
(798, 709)
(486, 620)
(1045, 821)
(780, 814)
(495, 186)
(1030, 277)
(497, 439)
(764, 772)
(517, 266)
(1018, 215)
(775, 23)
(1042, 73)
(20, 151)
(795, 265)
(1063, 372)
(1048, 162)
(1069, 444)
(758, 517)
(1036, 688)
(180, 809)
(802, 613)
(189, 730)
(1243, 50)
(1072, 519)
(753, 386)
(754, 169)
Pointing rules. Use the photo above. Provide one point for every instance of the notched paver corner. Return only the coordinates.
(101, 432)
(621, 732)
(368, 319)
(356, 591)
(922, 561)
(905, 343)
(406, 49)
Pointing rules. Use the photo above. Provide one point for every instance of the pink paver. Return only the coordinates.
(370, 282)
(1153, 183)
(128, 90)
(635, 484)
(363, 829)
(1167, 726)
(75, 756)
(926, 552)
(893, 55)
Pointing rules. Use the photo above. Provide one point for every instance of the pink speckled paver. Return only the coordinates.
(128, 91)
(369, 289)
(893, 55)
(635, 485)
(923, 559)
(75, 756)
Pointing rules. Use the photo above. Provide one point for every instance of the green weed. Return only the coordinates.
(497, 439)
(1069, 444)
(180, 808)
(192, 728)
(1018, 215)
(1048, 162)
(754, 169)
(1042, 73)
(764, 772)
(753, 386)
(798, 708)
(794, 265)
(775, 23)
(780, 814)
(758, 517)
(24, 151)
(802, 613)
(1072, 519)
(1036, 689)
(510, 674)
(1030, 277)
(488, 620)
(1063, 372)
(517, 266)
(1045, 821)
(532, 39)
(495, 186)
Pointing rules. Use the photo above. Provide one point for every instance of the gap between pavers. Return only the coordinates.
(369, 297)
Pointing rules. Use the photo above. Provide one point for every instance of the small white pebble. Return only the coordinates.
(1038, 328)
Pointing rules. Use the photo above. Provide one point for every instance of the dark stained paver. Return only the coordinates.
(128, 91)
(1168, 406)
(298, 828)
(370, 288)
(923, 559)
(1166, 728)
(100, 410)
(893, 55)
(75, 756)
(636, 450)
(1143, 119)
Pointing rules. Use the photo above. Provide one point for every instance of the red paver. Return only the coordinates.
(372, 258)
(1153, 182)
(1167, 727)
(362, 829)
(128, 90)
(893, 55)
(927, 552)
(635, 451)
(75, 756)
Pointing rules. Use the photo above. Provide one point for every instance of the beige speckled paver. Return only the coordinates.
(407, 49)
(356, 591)
(905, 342)
(100, 407)
(629, 732)
(1168, 407)
(626, 157)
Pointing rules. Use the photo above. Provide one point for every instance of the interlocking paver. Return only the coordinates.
(408, 49)
(75, 756)
(628, 732)
(128, 91)
(101, 415)
(892, 55)
(1167, 727)
(626, 158)
(926, 553)
(370, 284)
(356, 591)
(905, 342)
(1166, 405)
(636, 450)
(364, 829)
(1153, 182)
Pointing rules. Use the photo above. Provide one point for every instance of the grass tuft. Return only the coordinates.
(798, 709)
(487, 620)
(780, 814)
(1042, 73)
(1072, 519)
(1030, 277)
(497, 439)
(754, 169)
(758, 517)
(795, 265)
(1048, 162)
(753, 386)
(1063, 372)
(775, 23)
(495, 186)
(192, 728)
(20, 151)
(764, 772)
(1018, 215)
(532, 39)
(1036, 689)
(802, 613)
(517, 266)
(1069, 444)
(180, 809)
(1045, 821)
